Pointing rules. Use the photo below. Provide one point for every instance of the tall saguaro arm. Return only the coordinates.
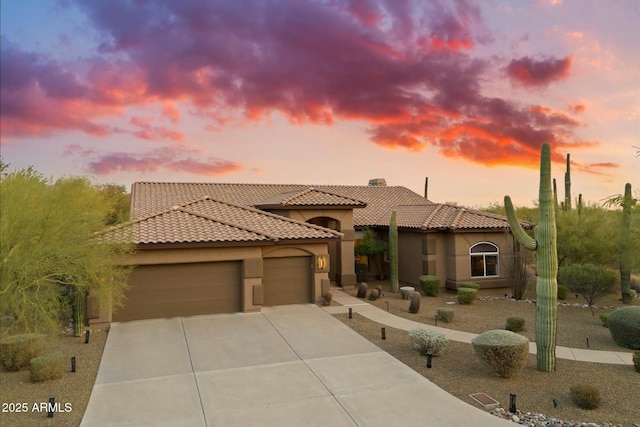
(545, 246)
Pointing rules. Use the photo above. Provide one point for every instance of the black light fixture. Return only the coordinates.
(384, 333)
(86, 336)
(52, 405)
(73, 363)
(555, 402)
(350, 313)
(436, 317)
(429, 356)
(588, 346)
(512, 403)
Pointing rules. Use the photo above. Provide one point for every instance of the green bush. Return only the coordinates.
(47, 367)
(445, 313)
(624, 324)
(505, 351)
(17, 350)
(470, 285)
(430, 285)
(562, 292)
(586, 396)
(515, 324)
(428, 341)
(604, 318)
(466, 295)
(636, 361)
(590, 281)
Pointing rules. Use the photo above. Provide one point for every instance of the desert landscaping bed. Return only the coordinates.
(461, 373)
(73, 389)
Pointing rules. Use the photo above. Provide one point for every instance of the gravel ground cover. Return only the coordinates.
(461, 373)
(18, 394)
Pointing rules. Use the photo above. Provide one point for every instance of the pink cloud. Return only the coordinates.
(531, 72)
(170, 159)
(403, 69)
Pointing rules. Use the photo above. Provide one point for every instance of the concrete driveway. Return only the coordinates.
(285, 366)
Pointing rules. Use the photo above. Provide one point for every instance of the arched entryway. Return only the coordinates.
(334, 247)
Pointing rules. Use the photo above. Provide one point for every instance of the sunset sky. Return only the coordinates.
(326, 92)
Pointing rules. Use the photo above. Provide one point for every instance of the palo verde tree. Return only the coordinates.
(547, 263)
(50, 259)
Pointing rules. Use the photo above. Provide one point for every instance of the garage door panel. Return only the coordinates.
(287, 281)
(170, 290)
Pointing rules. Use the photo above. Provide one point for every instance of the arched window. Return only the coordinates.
(484, 260)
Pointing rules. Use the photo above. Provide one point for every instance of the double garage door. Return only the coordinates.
(170, 290)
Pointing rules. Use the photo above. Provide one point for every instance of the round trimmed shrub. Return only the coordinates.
(467, 295)
(430, 285)
(445, 313)
(562, 292)
(17, 350)
(47, 367)
(505, 351)
(586, 396)
(515, 324)
(470, 285)
(428, 341)
(624, 324)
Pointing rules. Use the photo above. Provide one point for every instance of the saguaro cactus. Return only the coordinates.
(79, 305)
(547, 263)
(567, 186)
(625, 243)
(393, 251)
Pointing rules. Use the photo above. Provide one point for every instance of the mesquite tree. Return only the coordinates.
(393, 251)
(547, 264)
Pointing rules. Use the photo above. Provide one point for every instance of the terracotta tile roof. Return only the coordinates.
(210, 221)
(414, 211)
(446, 217)
(310, 197)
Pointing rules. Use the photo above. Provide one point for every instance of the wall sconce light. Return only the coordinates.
(322, 262)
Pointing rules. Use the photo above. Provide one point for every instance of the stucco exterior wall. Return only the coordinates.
(459, 261)
(252, 257)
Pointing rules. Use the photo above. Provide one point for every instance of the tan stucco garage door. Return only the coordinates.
(171, 290)
(287, 280)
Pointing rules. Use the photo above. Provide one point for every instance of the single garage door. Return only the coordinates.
(287, 280)
(170, 290)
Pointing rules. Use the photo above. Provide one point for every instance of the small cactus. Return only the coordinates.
(414, 307)
(362, 290)
(379, 288)
(326, 300)
(625, 246)
(374, 295)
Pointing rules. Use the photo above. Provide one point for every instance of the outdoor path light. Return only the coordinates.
(429, 356)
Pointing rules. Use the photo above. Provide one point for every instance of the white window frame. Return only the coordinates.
(484, 255)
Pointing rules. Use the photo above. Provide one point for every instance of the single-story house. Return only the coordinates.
(217, 248)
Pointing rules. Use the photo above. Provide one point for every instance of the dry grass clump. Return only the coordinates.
(586, 396)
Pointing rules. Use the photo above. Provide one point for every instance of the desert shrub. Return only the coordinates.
(562, 292)
(470, 285)
(47, 367)
(466, 295)
(505, 351)
(17, 350)
(633, 294)
(430, 285)
(636, 361)
(428, 341)
(590, 281)
(515, 324)
(604, 318)
(445, 313)
(586, 396)
(624, 324)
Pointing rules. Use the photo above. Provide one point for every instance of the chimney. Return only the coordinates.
(378, 182)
